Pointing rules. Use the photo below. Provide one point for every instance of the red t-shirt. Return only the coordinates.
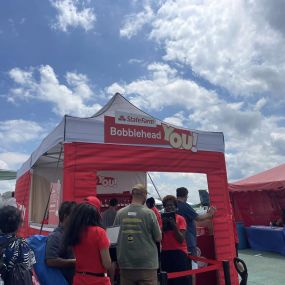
(158, 216)
(88, 258)
(168, 238)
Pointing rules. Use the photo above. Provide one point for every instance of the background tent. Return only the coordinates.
(260, 198)
(7, 174)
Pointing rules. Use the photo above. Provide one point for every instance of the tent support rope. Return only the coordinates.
(154, 186)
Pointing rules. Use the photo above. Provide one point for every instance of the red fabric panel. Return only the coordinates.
(258, 208)
(272, 179)
(223, 221)
(206, 245)
(78, 183)
(82, 160)
(22, 195)
(137, 158)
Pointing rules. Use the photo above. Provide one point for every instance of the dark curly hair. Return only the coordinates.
(150, 202)
(10, 219)
(83, 216)
(169, 198)
(65, 209)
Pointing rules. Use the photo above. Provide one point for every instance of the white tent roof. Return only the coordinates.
(91, 130)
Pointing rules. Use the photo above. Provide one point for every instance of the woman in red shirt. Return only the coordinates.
(90, 244)
(174, 248)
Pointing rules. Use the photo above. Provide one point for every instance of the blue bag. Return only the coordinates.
(46, 275)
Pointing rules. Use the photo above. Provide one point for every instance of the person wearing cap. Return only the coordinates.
(89, 241)
(139, 233)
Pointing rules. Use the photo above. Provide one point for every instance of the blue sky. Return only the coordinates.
(208, 65)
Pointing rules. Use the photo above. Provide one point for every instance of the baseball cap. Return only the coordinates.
(93, 201)
(139, 189)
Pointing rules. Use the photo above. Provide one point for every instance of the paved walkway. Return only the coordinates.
(264, 268)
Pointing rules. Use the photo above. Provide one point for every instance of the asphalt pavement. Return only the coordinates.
(264, 268)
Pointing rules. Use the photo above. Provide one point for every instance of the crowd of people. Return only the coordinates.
(148, 241)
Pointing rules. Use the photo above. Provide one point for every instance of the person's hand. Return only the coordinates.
(172, 223)
(211, 211)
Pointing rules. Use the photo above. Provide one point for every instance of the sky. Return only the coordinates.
(201, 64)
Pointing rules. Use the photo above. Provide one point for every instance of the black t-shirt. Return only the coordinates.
(54, 250)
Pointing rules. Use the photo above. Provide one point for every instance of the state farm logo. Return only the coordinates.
(134, 119)
(122, 119)
(106, 181)
(180, 139)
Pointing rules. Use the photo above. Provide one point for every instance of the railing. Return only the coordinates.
(213, 265)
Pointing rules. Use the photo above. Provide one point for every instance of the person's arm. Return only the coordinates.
(105, 258)
(207, 216)
(53, 249)
(60, 262)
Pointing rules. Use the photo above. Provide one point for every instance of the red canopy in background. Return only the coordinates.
(260, 198)
(272, 179)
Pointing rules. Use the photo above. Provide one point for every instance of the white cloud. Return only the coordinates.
(7, 186)
(79, 82)
(177, 119)
(13, 160)
(239, 45)
(166, 183)
(254, 141)
(42, 84)
(134, 23)
(3, 165)
(115, 88)
(19, 131)
(21, 76)
(73, 14)
(164, 88)
(226, 42)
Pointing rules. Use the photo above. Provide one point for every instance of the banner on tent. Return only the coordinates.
(136, 129)
(118, 181)
(54, 203)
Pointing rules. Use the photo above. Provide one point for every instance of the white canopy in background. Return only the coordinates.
(7, 174)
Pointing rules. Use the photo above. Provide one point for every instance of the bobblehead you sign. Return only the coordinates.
(118, 181)
(129, 128)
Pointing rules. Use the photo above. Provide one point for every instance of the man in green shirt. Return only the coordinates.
(139, 232)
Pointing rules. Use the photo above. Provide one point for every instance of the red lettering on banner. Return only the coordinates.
(106, 181)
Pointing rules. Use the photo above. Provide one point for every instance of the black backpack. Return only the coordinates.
(3, 267)
(19, 274)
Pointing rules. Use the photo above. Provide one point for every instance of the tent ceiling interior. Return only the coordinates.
(51, 158)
